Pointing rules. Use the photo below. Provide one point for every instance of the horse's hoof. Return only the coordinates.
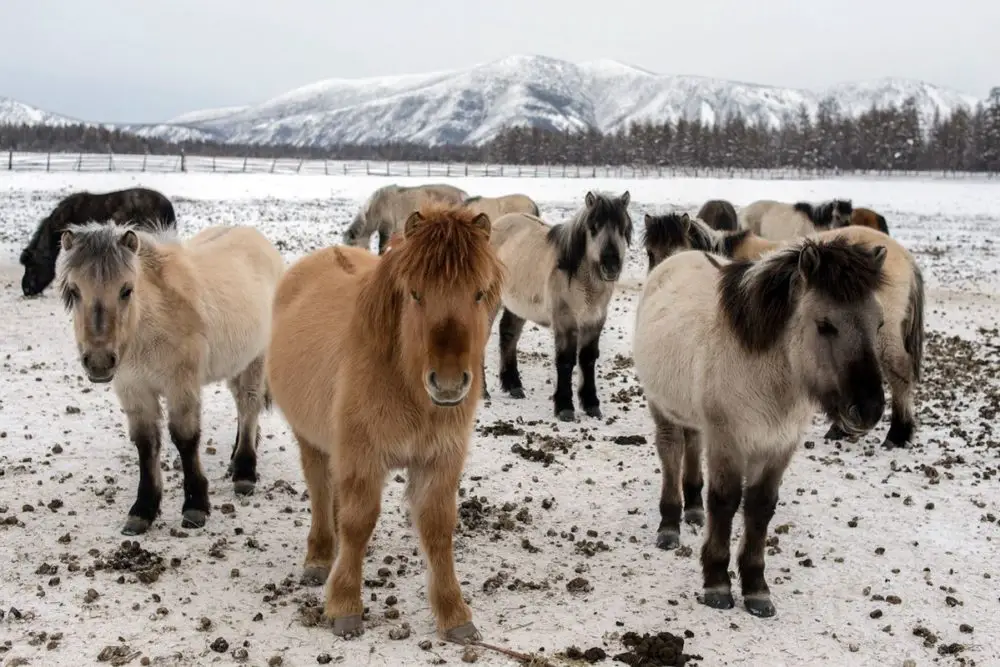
(567, 415)
(890, 443)
(593, 412)
(668, 539)
(194, 519)
(244, 487)
(760, 607)
(314, 575)
(348, 626)
(694, 516)
(517, 392)
(463, 634)
(135, 525)
(835, 433)
(718, 599)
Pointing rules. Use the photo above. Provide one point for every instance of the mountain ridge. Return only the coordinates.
(473, 105)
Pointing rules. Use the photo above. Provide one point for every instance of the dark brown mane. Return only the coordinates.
(759, 297)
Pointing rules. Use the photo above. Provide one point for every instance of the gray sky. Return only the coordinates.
(148, 60)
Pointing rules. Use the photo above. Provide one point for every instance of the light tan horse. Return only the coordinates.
(778, 221)
(390, 206)
(740, 354)
(498, 206)
(900, 341)
(563, 277)
(375, 363)
(157, 317)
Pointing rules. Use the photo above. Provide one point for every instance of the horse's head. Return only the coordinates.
(352, 235)
(608, 229)
(448, 278)
(835, 329)
(840, 214)
(39, 270)
(667, 234)
(99, 267)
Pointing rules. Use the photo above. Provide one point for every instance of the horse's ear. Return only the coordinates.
(66, 240)
(808, 260)
(686, 222)
(411, 223)
(625, 199)
(130, 240)
(482, 221)
(589, 199)
(879, 254)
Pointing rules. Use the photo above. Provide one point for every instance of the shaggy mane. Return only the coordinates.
(759, 297)
(668, 231)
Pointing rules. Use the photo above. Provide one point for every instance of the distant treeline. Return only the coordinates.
(884, 139)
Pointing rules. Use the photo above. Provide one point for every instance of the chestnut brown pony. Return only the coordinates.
(375, 362)
(865, 217)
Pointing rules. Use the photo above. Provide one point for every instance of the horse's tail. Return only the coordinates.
(913, 325)
(882, 226)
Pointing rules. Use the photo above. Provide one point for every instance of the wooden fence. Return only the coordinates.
(109, 162)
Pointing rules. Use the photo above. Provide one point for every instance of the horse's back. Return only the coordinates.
(783, 222)
(521, 243)
(718, 214)
(313, 309)
(750, 216)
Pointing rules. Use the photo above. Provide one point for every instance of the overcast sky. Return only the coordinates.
(148, 60)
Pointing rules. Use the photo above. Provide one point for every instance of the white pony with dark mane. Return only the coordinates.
(740, 354)
(778, 221)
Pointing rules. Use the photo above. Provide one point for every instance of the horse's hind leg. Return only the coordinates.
(248, 390)
(567, 351)
(511, 327)
(321, 545)
(142, 409)
(184, 409)
(694, 511)
(763, 482)
(669, 447)
(489, 328)
(725, 490)
(432, 492)
(590, 339)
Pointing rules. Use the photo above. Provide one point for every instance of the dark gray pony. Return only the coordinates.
(142, 207)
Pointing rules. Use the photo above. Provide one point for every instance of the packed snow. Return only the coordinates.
(877, 557)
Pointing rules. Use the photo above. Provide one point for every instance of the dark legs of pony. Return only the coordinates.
(250, 393)
(902, 424)
(142, 409)
(383, 241)
(184, 425)
(567, 347)
(726, 469)
(675, 445)
(590, 339)
(511, 327)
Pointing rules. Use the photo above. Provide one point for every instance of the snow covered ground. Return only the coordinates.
(878, 557)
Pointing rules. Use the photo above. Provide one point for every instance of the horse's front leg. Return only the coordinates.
(761, 498)
(489, 329)
(725, 490)
(590, 338)
(432, 490)
(567, 347)
(184, 419)
(142, 410)
(358, 502)
(248, 391)
(383, 241)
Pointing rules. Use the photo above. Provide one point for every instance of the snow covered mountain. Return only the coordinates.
(13, 112)
(473, 105)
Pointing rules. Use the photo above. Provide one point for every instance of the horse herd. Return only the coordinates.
(747, 322)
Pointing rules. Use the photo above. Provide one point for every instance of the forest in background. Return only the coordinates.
(886, 139)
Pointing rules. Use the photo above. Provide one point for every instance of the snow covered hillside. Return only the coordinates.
(875, 557)
(472, 105)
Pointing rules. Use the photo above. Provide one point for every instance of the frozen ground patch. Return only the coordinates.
(876, 557)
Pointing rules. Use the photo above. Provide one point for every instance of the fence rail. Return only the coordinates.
(110, 162)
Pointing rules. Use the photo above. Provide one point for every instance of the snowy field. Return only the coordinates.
(877, 557)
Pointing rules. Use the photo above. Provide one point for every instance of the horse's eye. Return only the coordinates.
(125, 293)
(74, 294)
(826, 329)
(881, 324)
(479, 295)
(415, 296)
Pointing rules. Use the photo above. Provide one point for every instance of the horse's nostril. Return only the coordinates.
(466, 378)
(86, 359)
(432, 379)
(112, 360)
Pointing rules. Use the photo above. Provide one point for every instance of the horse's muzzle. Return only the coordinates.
(447, 394)
(100, 365)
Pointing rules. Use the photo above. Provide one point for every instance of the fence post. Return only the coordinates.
(144, 157)
(48, 160)
(274, 162)
(299, 167)
(245, 158)
(407, 168)
(10, 160)
(213, 164)
(183, 162)
(386, 167)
